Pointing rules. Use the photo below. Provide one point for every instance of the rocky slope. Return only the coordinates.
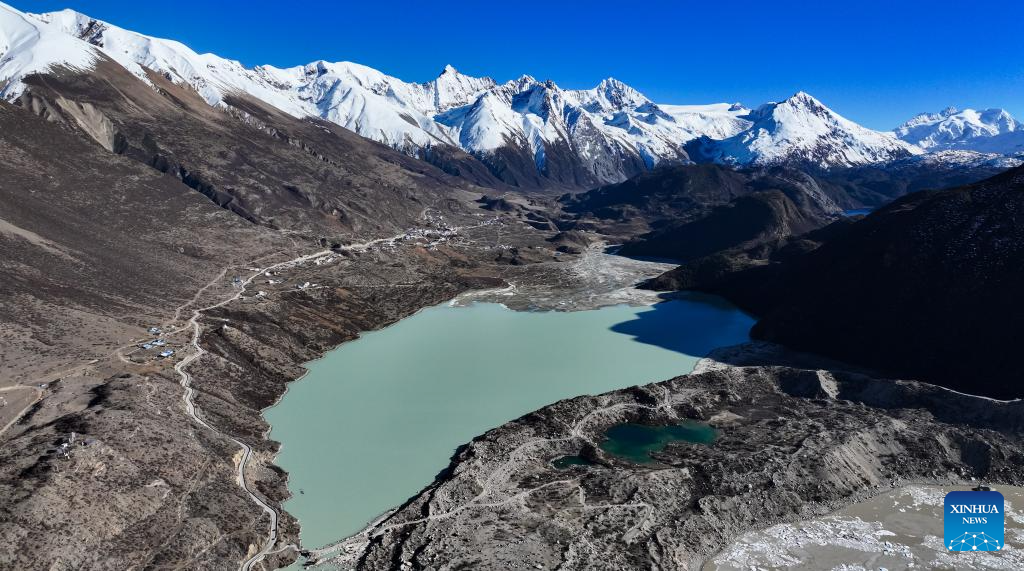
(251, 159)
(744, 222)
(793, 443)
(923, 288)
(93, 244)
(875, 185)
(685, 212)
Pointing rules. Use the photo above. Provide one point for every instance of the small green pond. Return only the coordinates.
(636, 442)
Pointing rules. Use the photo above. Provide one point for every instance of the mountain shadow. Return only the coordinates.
(690, 323)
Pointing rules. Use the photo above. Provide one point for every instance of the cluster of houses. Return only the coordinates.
(157, 343)
(153, 344)
(438, 234)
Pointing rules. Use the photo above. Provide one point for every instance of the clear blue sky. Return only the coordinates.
(876, 62)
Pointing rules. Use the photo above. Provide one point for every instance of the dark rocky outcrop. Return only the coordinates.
(687, 211)
(572, 241)
(925, 288)
(746, 221)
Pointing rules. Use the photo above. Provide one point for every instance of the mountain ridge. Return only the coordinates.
(528, 133)
(931, 274)
(800, 129)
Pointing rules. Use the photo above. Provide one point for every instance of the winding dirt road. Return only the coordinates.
(197, 351)
(192, 411)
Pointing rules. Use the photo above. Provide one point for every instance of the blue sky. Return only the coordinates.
(876, 62)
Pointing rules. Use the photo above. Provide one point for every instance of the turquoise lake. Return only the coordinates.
(376, 419)
(636, 442)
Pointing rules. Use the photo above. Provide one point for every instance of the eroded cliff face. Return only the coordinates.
(794, 442)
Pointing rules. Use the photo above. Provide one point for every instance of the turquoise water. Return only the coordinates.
(566, 462)
(635, 442)
(376, 419)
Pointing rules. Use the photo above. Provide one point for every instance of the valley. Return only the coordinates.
(282, 316)
(359, 412)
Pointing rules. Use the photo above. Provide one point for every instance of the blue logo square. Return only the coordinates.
(974, 521)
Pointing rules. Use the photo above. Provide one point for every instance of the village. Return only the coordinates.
(160, 345)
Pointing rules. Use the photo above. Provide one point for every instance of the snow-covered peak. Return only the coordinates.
(988, 130)
(68, 21)
(213, 77)
(453, 89)
(30, 46)
(609, 96)
(799, 106)
(802, 129)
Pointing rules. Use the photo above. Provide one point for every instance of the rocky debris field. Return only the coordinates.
(901, 529)
(794, 443)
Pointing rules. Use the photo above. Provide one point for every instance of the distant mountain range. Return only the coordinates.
(987, 131)
(802, 130)
(527, 133)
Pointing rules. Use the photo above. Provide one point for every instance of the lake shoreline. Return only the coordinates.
(794, 440)
(646, 350)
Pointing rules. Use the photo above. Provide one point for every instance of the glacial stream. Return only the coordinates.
(377, 418)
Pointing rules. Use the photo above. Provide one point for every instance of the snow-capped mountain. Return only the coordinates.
(29, 46)
(967, 159)
(213, 77)
(526, 132)
(801, 130)
(987, 131)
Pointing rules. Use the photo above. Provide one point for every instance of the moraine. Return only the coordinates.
(376, 419)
